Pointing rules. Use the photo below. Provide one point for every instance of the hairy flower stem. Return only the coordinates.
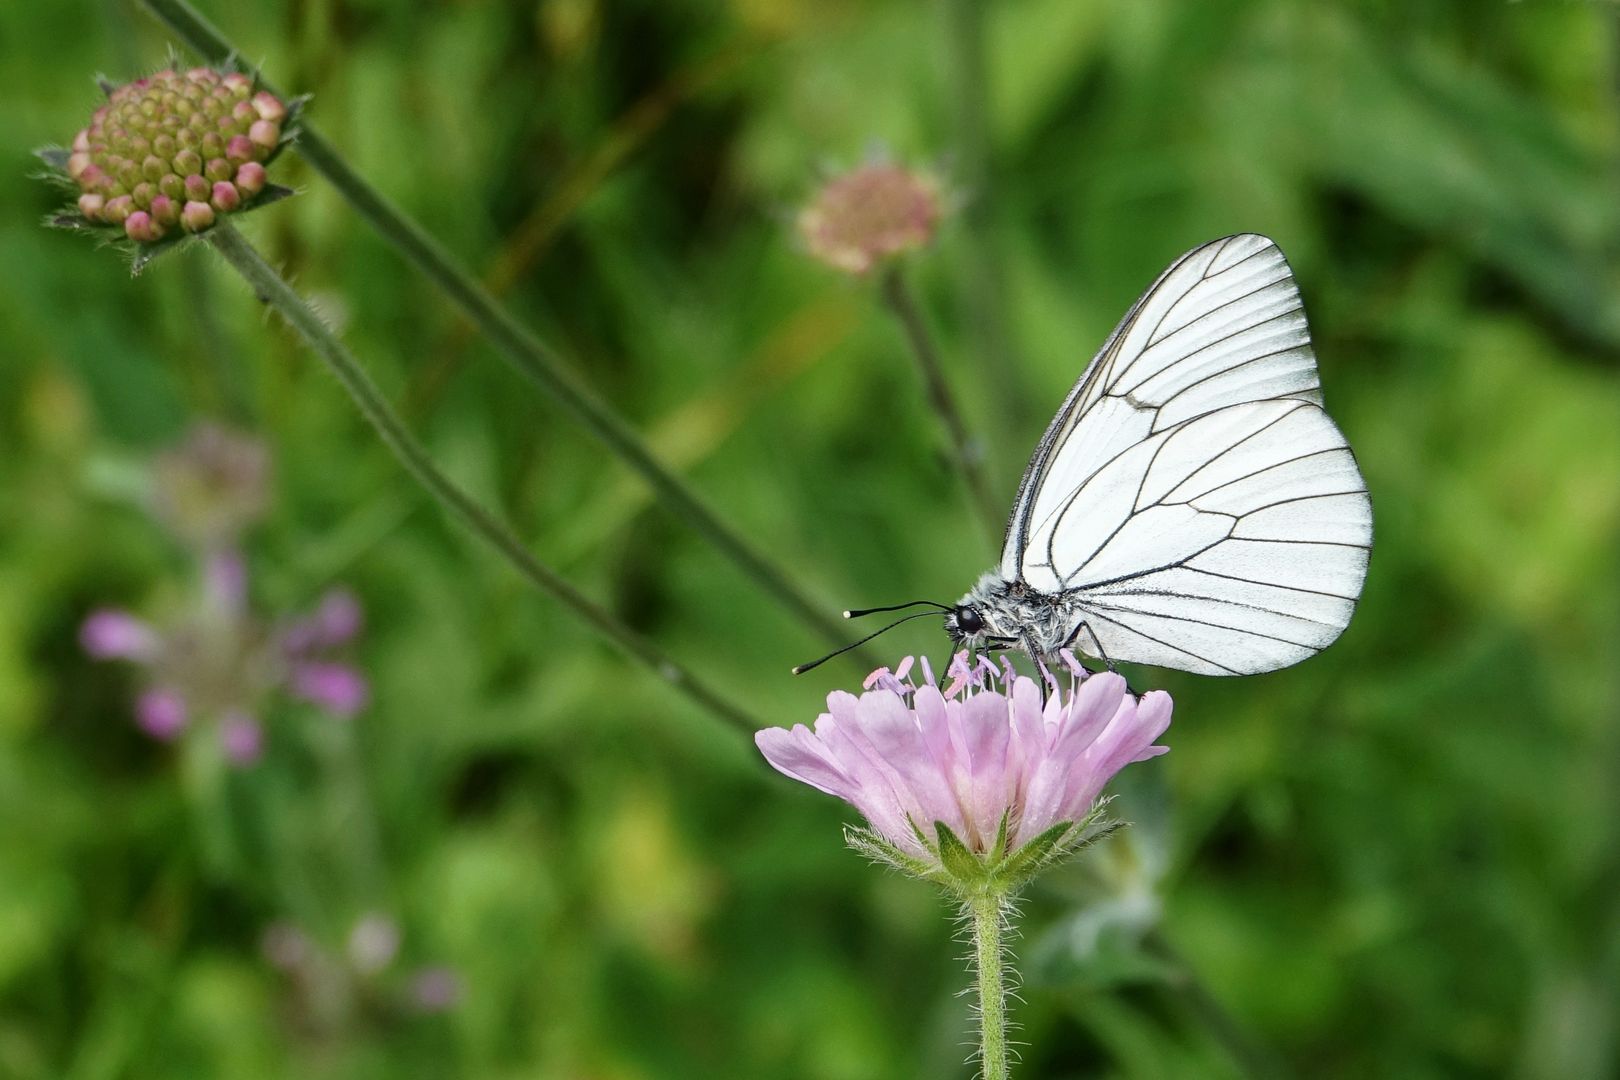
(273, 290)
(966, 452)
(518, 345)
(988, 914)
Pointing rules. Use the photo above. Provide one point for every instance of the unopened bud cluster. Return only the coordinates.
(175, 150)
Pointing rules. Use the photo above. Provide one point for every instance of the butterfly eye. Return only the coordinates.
(968, 620)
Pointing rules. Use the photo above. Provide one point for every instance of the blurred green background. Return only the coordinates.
(1400, 858)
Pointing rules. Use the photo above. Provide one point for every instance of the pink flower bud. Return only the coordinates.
(239, 149)
(266, 133)
(213, 145)
(90, 205)
(244, 113)
(142, 229)
(117, 210)
(143, 194)
(219, 169)
(196, 216)
(198, 188)
(77, 163)
(237, 83)
(202, 75)
(81, 141)
(269, 107)
(165, 211)
(225, 197)
(250, 178)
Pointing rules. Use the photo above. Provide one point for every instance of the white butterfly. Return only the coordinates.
(1191, 505)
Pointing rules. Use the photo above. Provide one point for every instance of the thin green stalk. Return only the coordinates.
(516, 343)
(967, 453)
(988, 914)
(983, 294)
(273, 290)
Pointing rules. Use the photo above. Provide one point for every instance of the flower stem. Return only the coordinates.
(984, 296)
(521, 348)
(966, 452)
(273, 290)
(988, 914)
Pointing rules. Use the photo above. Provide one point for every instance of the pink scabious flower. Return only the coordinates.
(870, 215)
(980, 785)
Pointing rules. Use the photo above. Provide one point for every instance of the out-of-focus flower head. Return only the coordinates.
(332, 982)
(980, 786)
(215, 665)
(212, 487)
(870, 215)
(171, 154)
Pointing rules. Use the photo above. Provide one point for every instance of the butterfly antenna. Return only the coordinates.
(935, 604)
(802, 668)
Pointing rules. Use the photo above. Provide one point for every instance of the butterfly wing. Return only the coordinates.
(1191, 494)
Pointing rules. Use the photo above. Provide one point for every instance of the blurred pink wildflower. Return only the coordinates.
(870, 215)
(979, 770)
(215, 665)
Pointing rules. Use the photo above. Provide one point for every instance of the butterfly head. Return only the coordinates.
(983, 618)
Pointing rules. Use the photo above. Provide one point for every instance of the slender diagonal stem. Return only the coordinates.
(520, 347)
(967, 453)
(272, 289)
(984, 296)
(989, 960)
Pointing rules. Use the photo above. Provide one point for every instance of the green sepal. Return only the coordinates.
(959, 863)
(56, 157)
(1021, 865)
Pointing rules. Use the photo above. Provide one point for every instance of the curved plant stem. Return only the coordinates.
(273, 290)
(967, 453)
(517, 344)
(988, 916)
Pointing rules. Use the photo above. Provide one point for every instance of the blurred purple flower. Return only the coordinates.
(161, 713)
(241, 737)
(435, 989)
(971, 757)
(110, 634)
(335, 621)
(337, 688)
(218, 665)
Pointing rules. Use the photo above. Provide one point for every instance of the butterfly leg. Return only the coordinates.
(1100, 653)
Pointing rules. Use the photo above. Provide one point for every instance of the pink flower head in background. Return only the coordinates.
(986, 765)
(870, 215)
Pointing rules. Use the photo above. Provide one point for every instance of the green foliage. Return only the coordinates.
(1397, 859)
